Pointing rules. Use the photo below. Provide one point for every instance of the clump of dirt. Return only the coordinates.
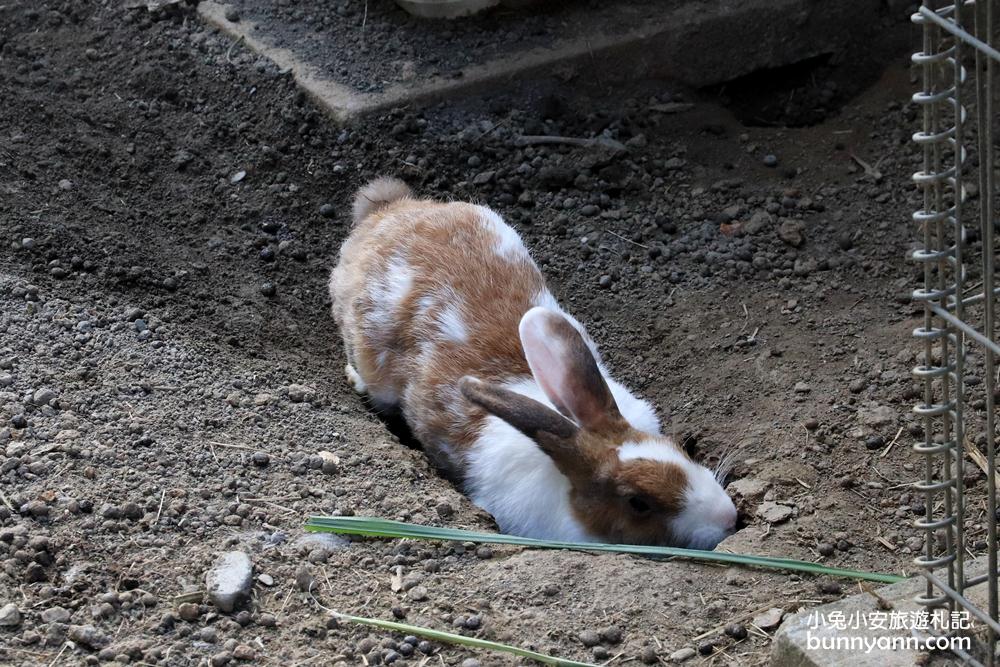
(171, 382)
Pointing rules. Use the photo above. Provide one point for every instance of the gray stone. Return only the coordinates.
(882, 415)
(773, 512)
(757, 222)
(791, 232)
(770, 619)
(328, 541)
(298, 393)
(747, 488)
(43, 396)
(10, 616)
(802, 641)
(418, 594)
(229, 581)
(89, 636)
(56, 615)
(683, 655)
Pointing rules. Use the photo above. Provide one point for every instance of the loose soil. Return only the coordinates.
(170, 206)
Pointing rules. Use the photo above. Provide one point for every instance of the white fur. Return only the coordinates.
(653, 450)
(512, 479)
(639, 413)
(388, 292)
(452, 326)
(708, 514)
(509, 244)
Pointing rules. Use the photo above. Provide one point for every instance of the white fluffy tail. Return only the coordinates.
(378, 194)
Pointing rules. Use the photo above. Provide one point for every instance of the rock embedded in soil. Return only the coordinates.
(881, 415)
(611, 635)
(188, 611)
(773, 512)
(56, 615)
(417, 594)
(43, 396)
(229, 581)
(747, 489)
(737, 631)
(304, 578)
(298, 393)
(10, 616)
(792, 233)
(683, 655)
(89, 636)
(770, 619)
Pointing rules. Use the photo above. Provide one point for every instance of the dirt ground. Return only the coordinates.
(169, 372)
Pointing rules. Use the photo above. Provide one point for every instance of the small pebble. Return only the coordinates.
(268, 289)
(589, 638)
(43, 396)
(682, 655)
(737, 631)
(188, 611)
(874, 442)
(229, 581)
(56, 615)
(611, 635)
(231, 14)
(10, 616)
(770, 160)
(327, 210)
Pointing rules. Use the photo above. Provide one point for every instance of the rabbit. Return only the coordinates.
(447, 320)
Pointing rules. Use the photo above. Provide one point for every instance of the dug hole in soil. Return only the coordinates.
(171, 383)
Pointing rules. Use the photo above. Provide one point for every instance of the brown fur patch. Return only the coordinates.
(602, 502)
(452, 254)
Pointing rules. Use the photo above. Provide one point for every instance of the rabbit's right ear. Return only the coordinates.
(567, 371)
(554, 434)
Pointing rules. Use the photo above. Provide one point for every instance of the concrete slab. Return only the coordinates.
(403, 61)
(802, 642)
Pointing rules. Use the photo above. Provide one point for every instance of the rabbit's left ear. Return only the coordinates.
(567, 372)
(554, 434)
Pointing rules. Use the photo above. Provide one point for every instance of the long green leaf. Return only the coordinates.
(450, 638)
(371, 527)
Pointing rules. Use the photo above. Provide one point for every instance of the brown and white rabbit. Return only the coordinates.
(446, 318)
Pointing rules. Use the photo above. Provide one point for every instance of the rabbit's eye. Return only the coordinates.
(638, 505)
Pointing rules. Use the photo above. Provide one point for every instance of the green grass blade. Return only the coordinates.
(450, 638)
(369, 527)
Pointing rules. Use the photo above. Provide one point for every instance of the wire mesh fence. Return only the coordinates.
(957, 371)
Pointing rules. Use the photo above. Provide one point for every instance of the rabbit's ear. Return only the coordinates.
(567, 372)
(554, 434)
